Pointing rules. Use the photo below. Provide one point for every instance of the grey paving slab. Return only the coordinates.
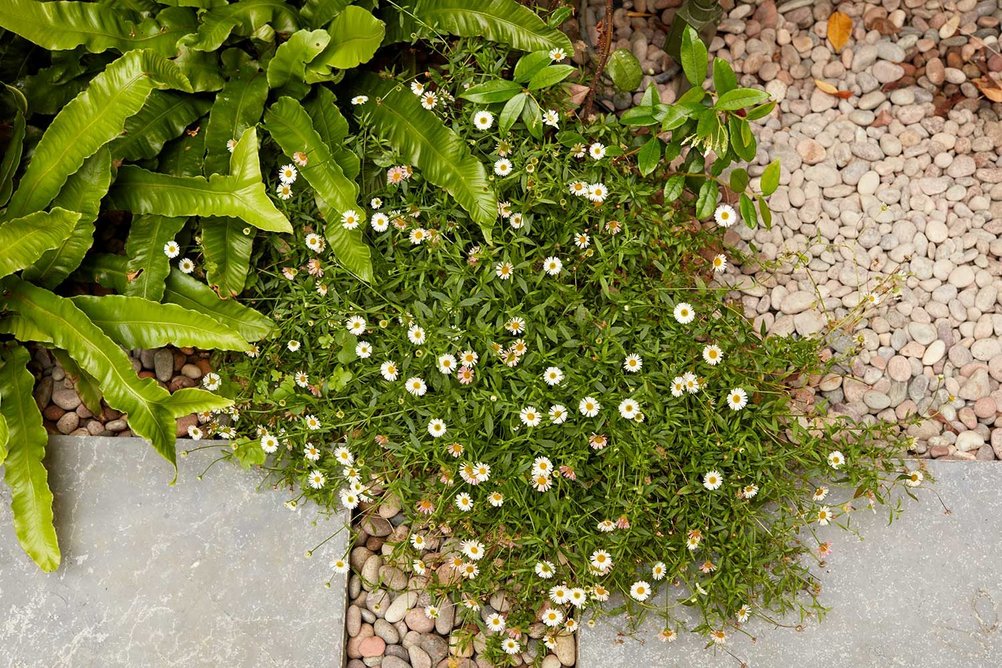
(205, 573)
(924, 591)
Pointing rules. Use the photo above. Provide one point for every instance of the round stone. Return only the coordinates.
(985, 408)
(899, 368)
(416, 620)
(372, 646)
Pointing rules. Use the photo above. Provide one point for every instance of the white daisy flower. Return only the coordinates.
(436, 428)
(375, 203)
(545, 569)
(515, 325)
(380, 222)
(684, 313)
(640, 590)
(355, 324)
(691, 382)
(418, 541)
(824, 515)
(172, 249)
(606, 526)
(293, 345)
(516, 221)
(597, 192)
(529, 416)
(315, 242)
(551, 118)
(601, 560)
(340, 565)
(269, 443)
(582, 240)
(483, 120)
(749, 491)
(629, 409)
(558, 414)
(553, 375)
(428, 100)
(464, 502)
(431, 611)
(469, 358)
(633, 363)
(359, 99)
(417, 87)
(446, 364)
(578, 597)
(578, 188)
(743, 613)
(231, 144)
(542, 466)
(311, 452)
(504, 270)
(416, 386)
(211, 381)
(557, 54)
(300, 158)
(836, 459)
(473, 549)
(589, 407)
(350, 219)
(194, 433)
(389, 370)
(914, 478)
(416, 335)
(551, 617)
(712, 354)
(552, 265)
(186, 265)
(284, 191)
(418, 235)
(719, 263)
(349, 499)
(560, 594)
(312, 422)
(511, 646)
(712, 480)
(363, 349)
(597, 151)
(503, 167)
(317, 479)
(725, 215)
(343, 456)
(659, 570)
(737, 399)
(287, 174)
(496, 499)
(418, 567)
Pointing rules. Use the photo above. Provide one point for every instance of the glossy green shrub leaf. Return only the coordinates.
(15, 143)
(164, 117)
(550, 75)
(724, 79)
(504, 21)
(511, 111)
(355, 35)
(649, 156)
(237, 106)
(24, 240)
(423, 140)
(134, 322)
(761, 111)
(747, 208)
(739, 98)
(186, 291)
(96, 26)
(532, 118)
(528, 65)
(227, 250)
(88, 122)
(244, 17)
(292, 56)
(739, 179)
(65, 326)
(770, 178)
(638, 117)
(24, 472)
(147, 263)
(489, 92)
(765, 212)
(624, 70)
(240, 194)
(290, 126)
(694, 57)
(332, 128)
(82, 193)
(190, 400)
(706, 199)
(673, 187)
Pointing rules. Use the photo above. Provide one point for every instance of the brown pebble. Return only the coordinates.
(180, 382)
(53, 413)
(184, 422)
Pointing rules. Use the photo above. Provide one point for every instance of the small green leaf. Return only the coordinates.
(550, 76)
(770, 178)
(649, 156)
(747, 209)
(638, 117)
(529, 64)
(489, 92)
(511, 112)
(694, 56)
(765, 212)
(760, 111)
(249, 453)
(674, 117)
(674, 187)
(624, 70)
(739, 98)
(706, 200)
(724, 79)
(739, 179)
(531, 116)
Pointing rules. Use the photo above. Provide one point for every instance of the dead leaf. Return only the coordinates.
(826, 87)
(883, 118)
(839, 30)
(884, 26)
(989, 88)
(578, 93)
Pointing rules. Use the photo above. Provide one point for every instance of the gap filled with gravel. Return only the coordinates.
(894, 193)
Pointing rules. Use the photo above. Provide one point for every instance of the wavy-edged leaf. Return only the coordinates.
(201, 68)
(355, 36)
(24, 240)
(85, 386)
(244, 18)
(163, 117)
(237, 107)
(82, 193)
(292, 56)
(196, 400)
(90, 121)
(184, 156)
(52, 88)
(503, 21)
(4, 435)
(67, 327)
(290, 126)
(148, 265)
(332, 128)
(183, 290)
(227, 250)
(423, 140)
(15, 143)
(98, 27)
(240, 194)
(24, 473)
(318, 13)
(134, 322)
